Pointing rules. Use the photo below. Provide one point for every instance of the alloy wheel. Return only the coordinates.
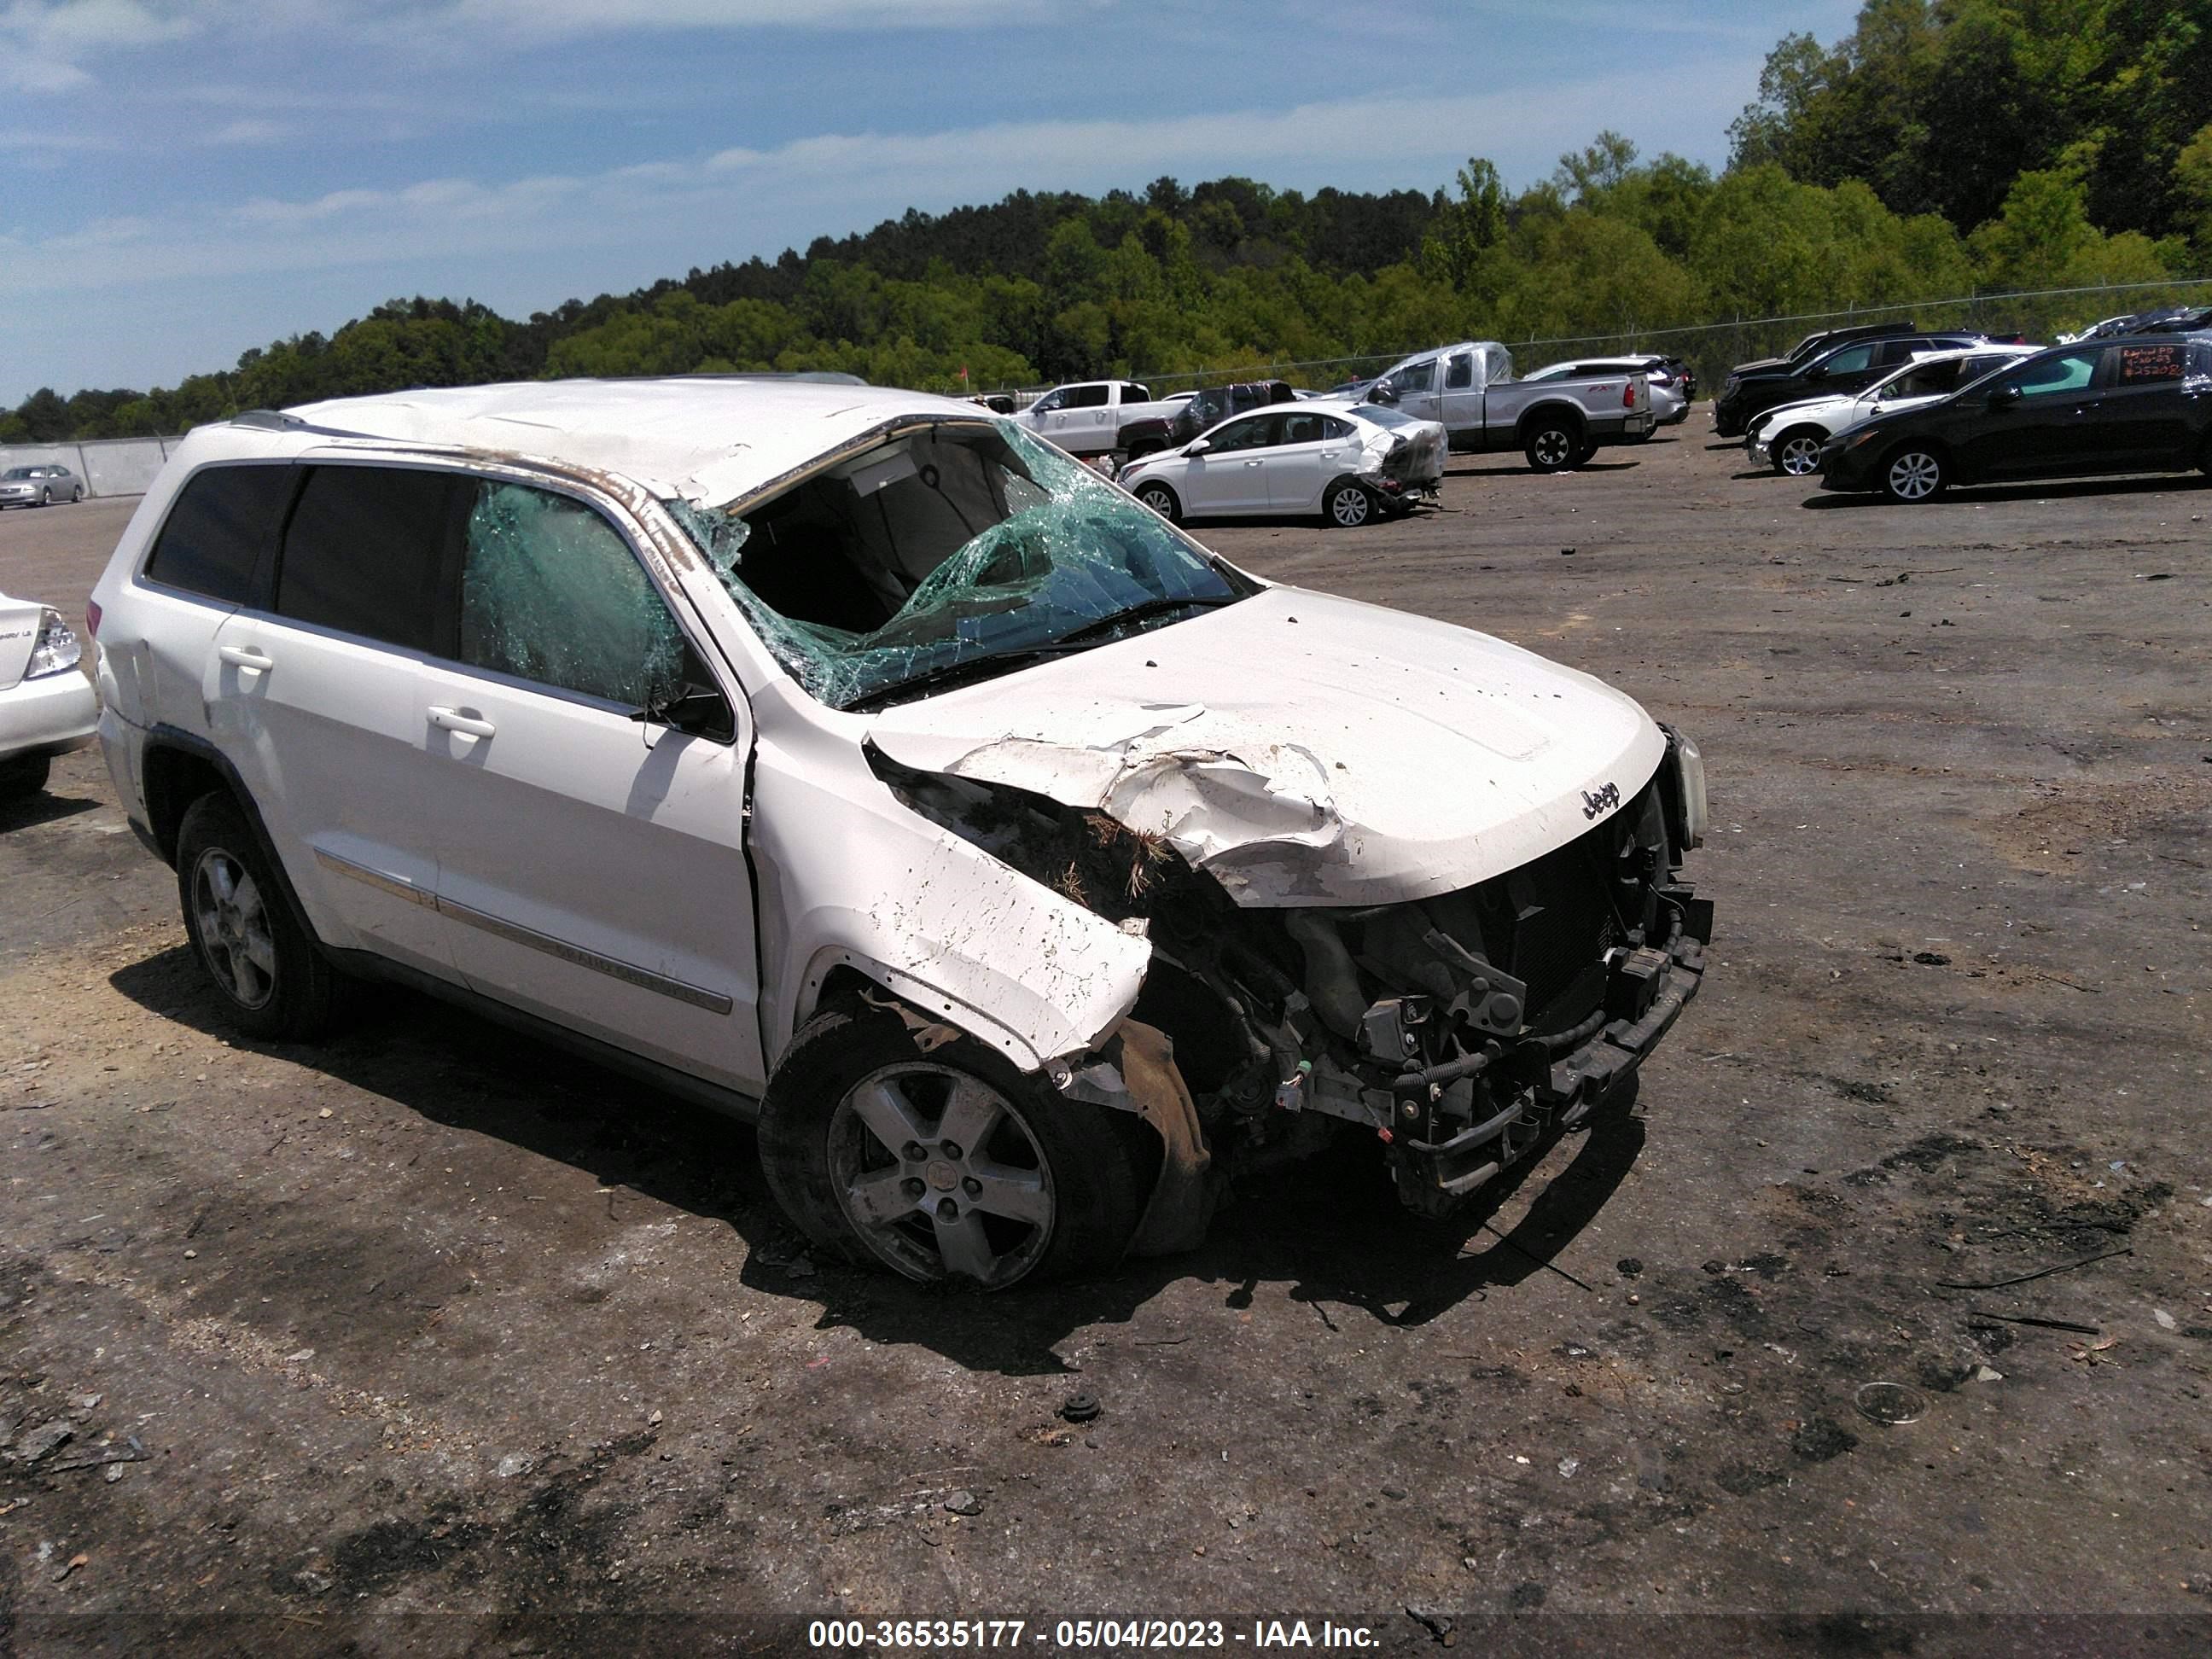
(939, 1176)
(1915, 476)
(234, 928)
(1350, 508)
(1800, 455)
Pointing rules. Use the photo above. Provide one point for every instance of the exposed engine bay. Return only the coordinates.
(1458, 1029)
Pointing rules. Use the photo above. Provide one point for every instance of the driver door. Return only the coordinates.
(1231, 477)
(591, 864)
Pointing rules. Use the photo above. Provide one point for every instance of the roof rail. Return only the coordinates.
(275, 420)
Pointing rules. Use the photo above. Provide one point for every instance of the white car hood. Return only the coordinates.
(1305, 750)
(1837, 413)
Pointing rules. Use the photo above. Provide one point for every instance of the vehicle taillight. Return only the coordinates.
(1628, 395)
(92, 618)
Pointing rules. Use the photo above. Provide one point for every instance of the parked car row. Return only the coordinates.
(2128, 403)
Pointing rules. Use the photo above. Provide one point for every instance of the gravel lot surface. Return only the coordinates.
(432, 1341)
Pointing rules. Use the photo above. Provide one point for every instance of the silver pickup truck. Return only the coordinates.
(1557, 424)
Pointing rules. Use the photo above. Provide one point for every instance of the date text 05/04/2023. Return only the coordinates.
(865, 1635)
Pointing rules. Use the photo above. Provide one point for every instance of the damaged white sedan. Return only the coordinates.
(855, 760)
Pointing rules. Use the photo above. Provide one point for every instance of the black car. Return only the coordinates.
(2133, 404)
(1834, 369)
(1822, 340)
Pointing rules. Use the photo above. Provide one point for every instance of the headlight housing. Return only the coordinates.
(57, 649)
(1683, 789)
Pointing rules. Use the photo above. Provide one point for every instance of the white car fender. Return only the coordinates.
(963, 937)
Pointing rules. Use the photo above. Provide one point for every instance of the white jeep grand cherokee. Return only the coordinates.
(854, 760)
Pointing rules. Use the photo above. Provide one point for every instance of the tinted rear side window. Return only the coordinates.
(369, 550)
(224, 526)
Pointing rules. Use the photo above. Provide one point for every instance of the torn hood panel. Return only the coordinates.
(1302, 749)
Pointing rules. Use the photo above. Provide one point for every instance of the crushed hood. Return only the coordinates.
(1302, 749)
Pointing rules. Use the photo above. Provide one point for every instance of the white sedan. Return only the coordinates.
(1790, 438)
(1348, 462)
(47, 705)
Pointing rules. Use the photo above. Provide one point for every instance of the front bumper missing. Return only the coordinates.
(1657, 985)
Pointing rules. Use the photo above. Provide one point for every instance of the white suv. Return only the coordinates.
(856, 761)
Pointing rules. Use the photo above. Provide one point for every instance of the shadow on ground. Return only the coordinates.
(1331, 1229)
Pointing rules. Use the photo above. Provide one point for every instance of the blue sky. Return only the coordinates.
(185, 181)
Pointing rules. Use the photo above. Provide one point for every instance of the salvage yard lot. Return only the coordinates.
(431, 1321)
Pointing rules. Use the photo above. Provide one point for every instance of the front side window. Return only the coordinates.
(1048, 402)
(2050, 377)
(1086, 396)
(942, 551)
(1927, 381)
(224, 524)
(1418, 377)
(1257, 432)
(1851, 359)
(550, 592)
(368, 551)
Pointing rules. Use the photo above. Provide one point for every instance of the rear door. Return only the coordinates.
(1310, 448)
(1461, 405)
(591, 864)
(318, 701)
(2142, 410)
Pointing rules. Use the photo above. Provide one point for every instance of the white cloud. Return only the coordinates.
(41, 40)
(689, 209)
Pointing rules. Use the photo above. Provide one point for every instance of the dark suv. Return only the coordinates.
(2133, 404)
(1848, 367)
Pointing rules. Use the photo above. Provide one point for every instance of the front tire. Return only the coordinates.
(47, 497)
(1914, 474)
(1553, 447)
(1162, 501)
(947, 1166)
(1796, 452)
(274, 982)
(78, 496)
(1347, 505)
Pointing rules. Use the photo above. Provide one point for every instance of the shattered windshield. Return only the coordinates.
(946, 545)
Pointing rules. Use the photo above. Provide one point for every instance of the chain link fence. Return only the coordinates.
(1712, 349)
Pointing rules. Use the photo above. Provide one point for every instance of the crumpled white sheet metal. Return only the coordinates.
(1338, 754)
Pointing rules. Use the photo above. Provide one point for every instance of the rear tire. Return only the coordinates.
(273, 980)
(1914, 474)
(1796, 452)
(1346, 507)
(1162, 501)
(947, 1166)
(1552, 446)
(24, 777)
